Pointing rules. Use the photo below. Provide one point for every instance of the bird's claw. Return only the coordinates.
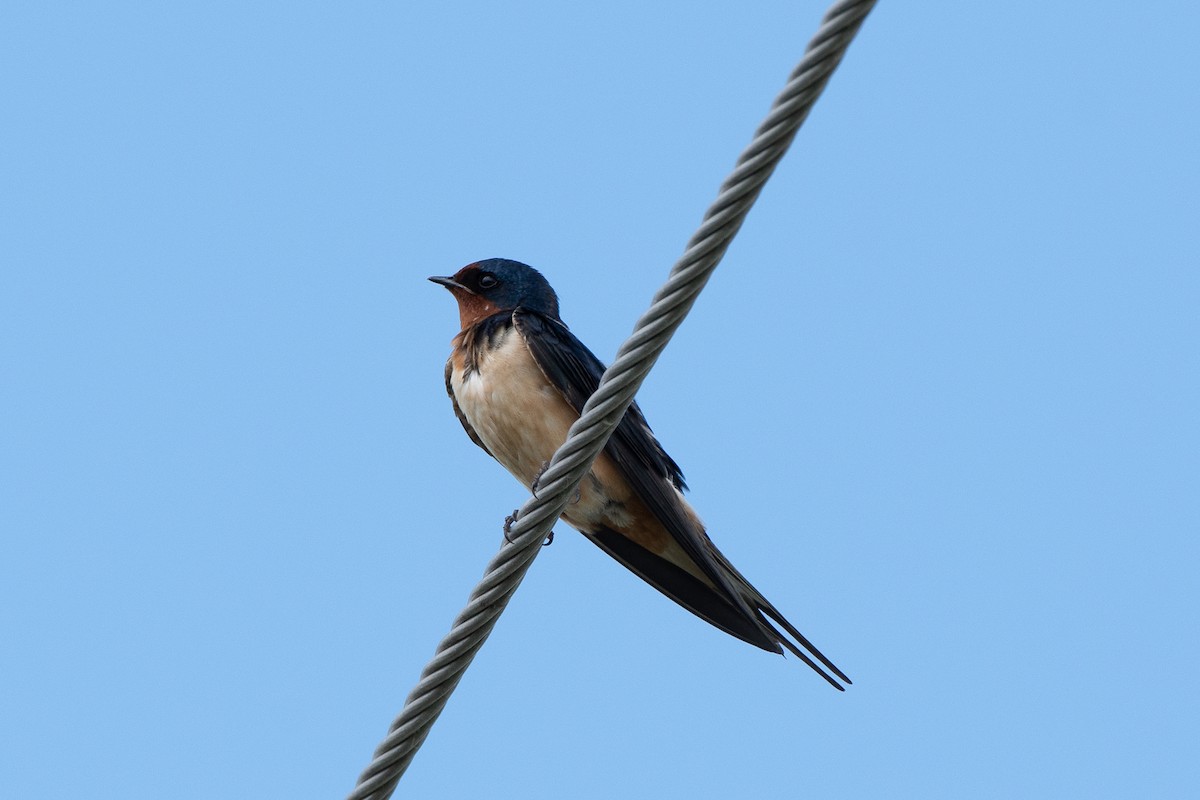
(537, 484)
(511, 519)
(537, 479)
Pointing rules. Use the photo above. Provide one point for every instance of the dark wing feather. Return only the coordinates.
(576, 372)
(651, 473)
(735, 606)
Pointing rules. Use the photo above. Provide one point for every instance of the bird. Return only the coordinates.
(518, 378)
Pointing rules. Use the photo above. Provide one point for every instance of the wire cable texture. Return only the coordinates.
(607, 406)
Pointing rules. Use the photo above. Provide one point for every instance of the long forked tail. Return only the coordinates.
(747, 621)
(801, 647)
(765, 608)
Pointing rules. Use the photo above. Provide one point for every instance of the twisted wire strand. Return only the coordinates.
(607, 406)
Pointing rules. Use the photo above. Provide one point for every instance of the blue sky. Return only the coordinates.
(938, 403)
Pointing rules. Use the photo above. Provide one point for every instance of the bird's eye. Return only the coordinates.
(487, 280)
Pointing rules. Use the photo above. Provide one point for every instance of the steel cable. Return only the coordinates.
(606, 407)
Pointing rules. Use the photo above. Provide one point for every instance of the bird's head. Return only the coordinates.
(499, 284)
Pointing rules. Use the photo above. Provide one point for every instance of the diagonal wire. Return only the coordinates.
(606, 407)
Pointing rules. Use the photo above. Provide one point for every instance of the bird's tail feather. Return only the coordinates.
(711, 604)
(764, 609)
(769, 611)
(684, 588)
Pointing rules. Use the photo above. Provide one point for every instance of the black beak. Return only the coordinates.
(449, 283)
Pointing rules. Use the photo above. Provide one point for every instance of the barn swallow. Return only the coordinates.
(518, 379)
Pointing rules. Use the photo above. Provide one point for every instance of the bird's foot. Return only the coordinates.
(511, 519)
(537, 480)
(537, 484)
(508, 523)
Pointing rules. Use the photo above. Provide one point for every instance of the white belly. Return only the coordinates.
(521, 418)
